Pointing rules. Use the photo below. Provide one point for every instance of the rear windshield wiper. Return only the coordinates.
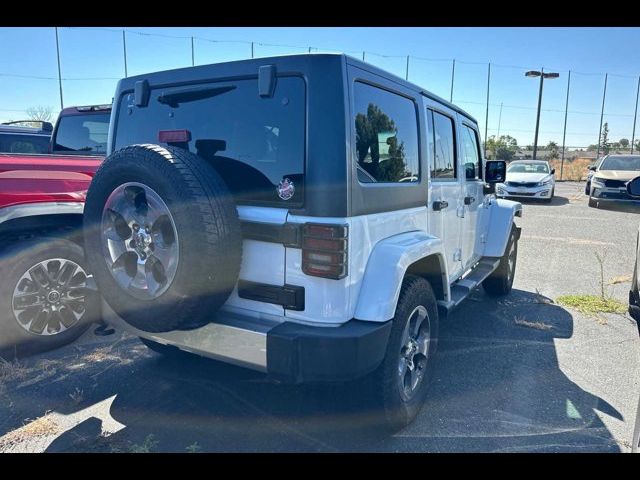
(175, 98)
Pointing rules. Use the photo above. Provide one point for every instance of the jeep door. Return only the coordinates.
(446, 205)
(472, 188)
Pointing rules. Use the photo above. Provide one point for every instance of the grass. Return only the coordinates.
(592, 304)
(575, 170)
(620, 279)
(194, 448)
(147, 445)
(40, 427)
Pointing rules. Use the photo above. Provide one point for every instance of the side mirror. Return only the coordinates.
(633, 187)
(592, 167)
(553, 171)
(496, 171)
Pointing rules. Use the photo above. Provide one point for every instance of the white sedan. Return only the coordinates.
(528, 179)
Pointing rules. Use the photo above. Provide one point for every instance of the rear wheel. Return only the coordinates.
(500, 281)
(400, 383)
(45, 297)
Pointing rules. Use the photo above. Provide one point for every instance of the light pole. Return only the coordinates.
(542, 75)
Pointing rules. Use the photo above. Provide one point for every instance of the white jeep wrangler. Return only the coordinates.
(310, 216)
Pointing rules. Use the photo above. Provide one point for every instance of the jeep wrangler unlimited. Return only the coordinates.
(310, 216)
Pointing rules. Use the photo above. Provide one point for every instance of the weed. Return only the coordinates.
(194, 448)
(147, 446)
(535, 325)
(77, 396)
(592, 304)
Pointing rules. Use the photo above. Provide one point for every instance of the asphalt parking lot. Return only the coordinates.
(516, 374)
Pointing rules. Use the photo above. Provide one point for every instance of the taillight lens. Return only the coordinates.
(324, 250)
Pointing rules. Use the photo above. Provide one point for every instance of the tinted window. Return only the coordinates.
(82, 134)
(471, 153)
(23, 143)
(532, 167)
(444, 153)
(629, 163)
(255, 143)
(386, 136)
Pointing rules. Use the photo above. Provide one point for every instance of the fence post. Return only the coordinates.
(363, 55)
(564, 132)
(406, 75)
(193, 54)
(453, 74)
(124, 49)
(486, 117)
(251, 49)
(635, 114)
(59, 74)
(604, 96)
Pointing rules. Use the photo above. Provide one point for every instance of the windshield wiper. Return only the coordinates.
(175, 98)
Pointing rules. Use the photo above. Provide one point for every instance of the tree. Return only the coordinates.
(604, 139)
(502, 148)
(39, 113)
(552, 148)
(624, 142)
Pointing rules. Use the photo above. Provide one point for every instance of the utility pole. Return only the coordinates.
(564, 133)
(124, 49)
(59, 73)
(604, 96)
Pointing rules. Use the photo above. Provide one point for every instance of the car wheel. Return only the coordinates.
(163, 237)
(400, 383)
(500, 281)
(45, 294)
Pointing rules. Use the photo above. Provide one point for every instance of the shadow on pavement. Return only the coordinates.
(497, 387)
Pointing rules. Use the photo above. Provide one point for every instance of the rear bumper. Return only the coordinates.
(287, 351)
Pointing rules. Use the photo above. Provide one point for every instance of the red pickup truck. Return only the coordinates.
(45, 301)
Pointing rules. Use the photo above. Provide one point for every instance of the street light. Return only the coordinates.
(542, 75)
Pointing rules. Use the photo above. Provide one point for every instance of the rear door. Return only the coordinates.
(446, 207)
(257, 145)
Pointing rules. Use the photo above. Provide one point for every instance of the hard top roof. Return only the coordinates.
(205, 70)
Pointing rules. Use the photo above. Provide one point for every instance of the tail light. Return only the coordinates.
(324, 250)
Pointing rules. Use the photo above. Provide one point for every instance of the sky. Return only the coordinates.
(92, 62)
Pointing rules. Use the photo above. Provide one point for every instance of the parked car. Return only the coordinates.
(22, 137)
(528, 179)
(632, 188)
(44, 289)
(306, 215)
(592, 170)
(608, 184)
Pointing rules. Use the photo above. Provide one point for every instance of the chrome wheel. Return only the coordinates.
(50, 297)
(414, 353)
(139, 239)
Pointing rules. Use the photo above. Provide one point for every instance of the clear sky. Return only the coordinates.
(92, 61)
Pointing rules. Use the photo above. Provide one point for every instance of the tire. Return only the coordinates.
(399, 408)
(592, 203)
(167, 209)
(500, 281)
(45, 297)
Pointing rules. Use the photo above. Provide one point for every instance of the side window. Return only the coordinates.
(386, 136)
(444, 152)
(471, 153)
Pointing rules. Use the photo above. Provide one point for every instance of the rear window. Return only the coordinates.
(82, 134)
(23, 143)
(255, 143)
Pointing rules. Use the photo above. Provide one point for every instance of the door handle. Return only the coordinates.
(440, 205)
(469, 200)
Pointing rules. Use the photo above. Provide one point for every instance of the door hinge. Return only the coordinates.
(460, 211)
(457, 255)
(483, 238)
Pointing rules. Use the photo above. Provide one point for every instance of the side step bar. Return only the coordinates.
(464, 286)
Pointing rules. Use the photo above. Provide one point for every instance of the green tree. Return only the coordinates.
(552, 148)
(624, 142)
(501, 148)
(369, 128)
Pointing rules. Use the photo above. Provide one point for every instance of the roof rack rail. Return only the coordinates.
(46, 126)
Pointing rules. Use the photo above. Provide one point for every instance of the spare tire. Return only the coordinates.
(162, 237)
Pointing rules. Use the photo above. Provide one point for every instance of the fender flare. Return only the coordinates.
(386, 268)
(501, 215)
